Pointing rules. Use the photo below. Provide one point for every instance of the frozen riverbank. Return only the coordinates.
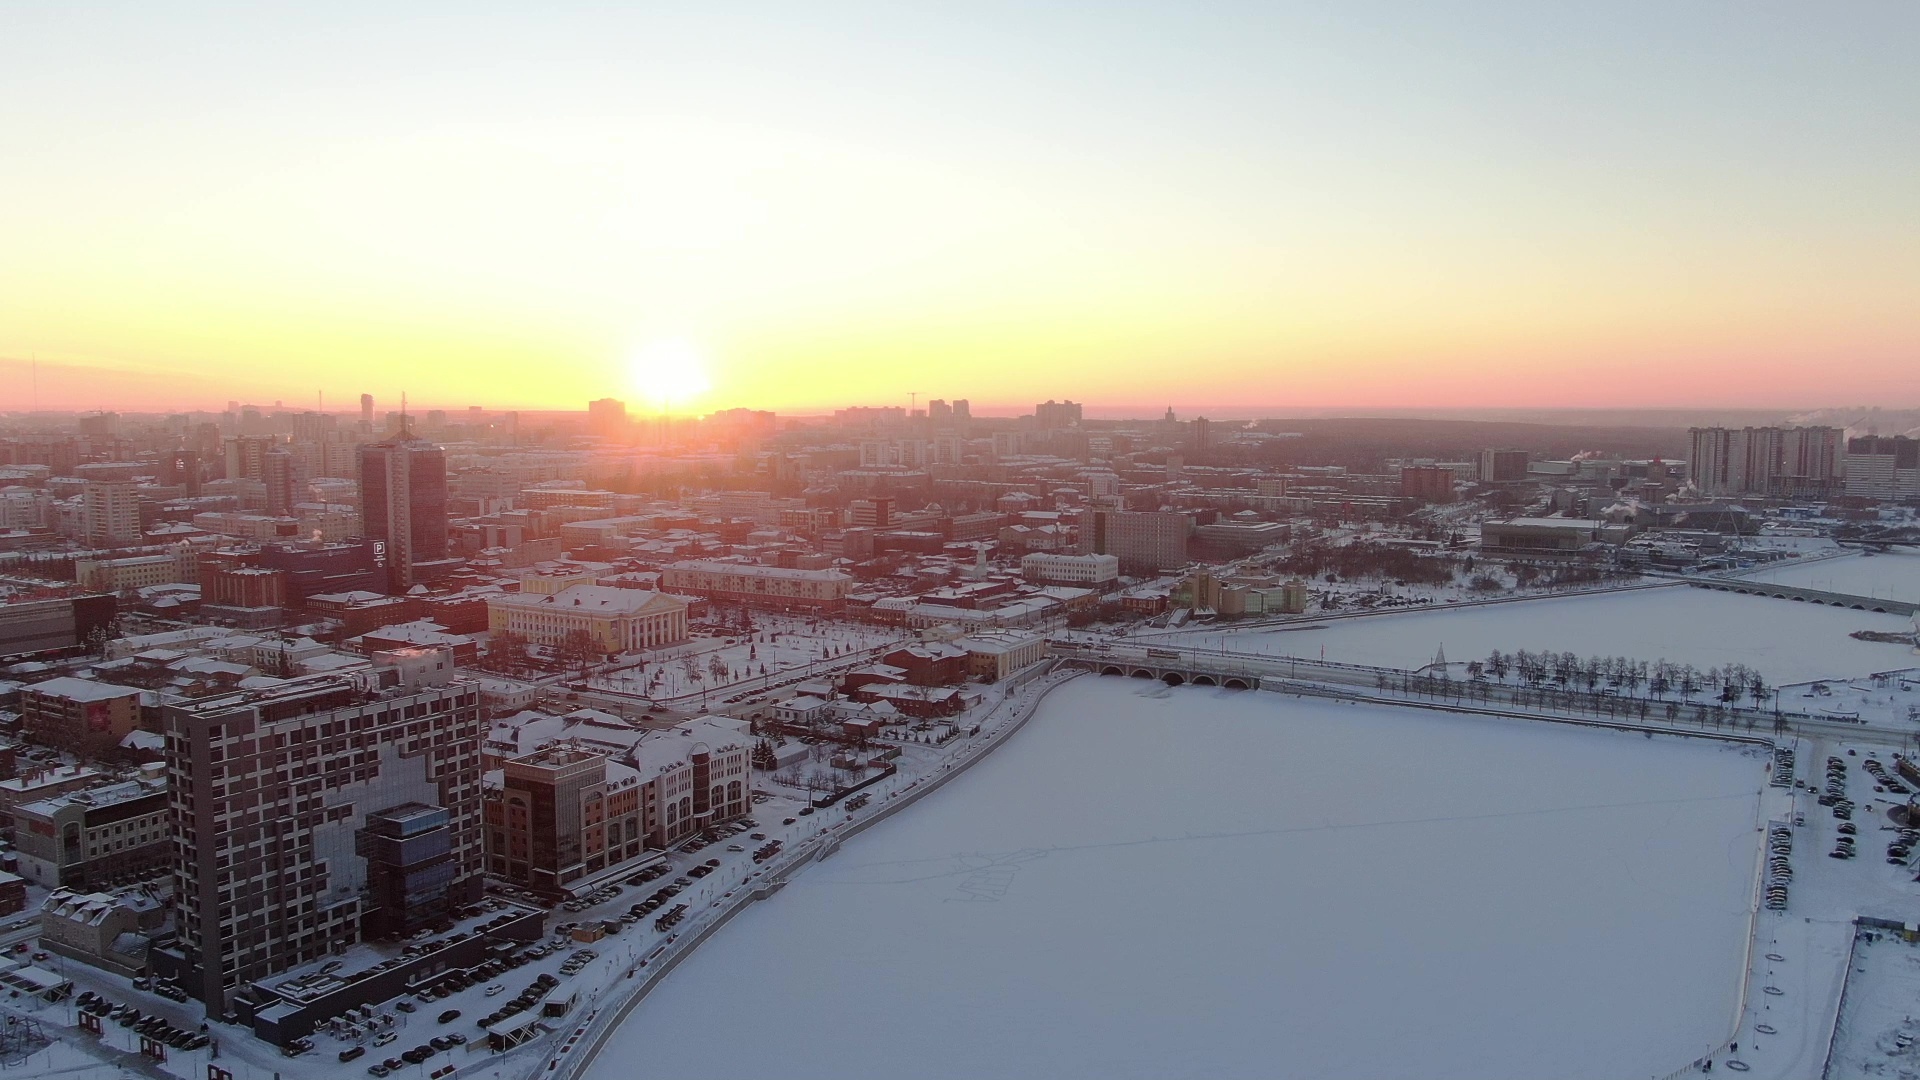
(1194, 882)
(1785, 641)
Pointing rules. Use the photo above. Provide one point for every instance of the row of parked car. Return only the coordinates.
(166, 988)
(1782, 766)
(153, 1027)
(1779, 867)
(1886, 781)
(1902, 845)
(440, 1044)
(527, 999)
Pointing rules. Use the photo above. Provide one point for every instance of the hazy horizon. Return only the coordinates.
(1406, 206)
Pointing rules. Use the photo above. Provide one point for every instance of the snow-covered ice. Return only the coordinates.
(1193, 882)
(1783, 640)
(1888, 575)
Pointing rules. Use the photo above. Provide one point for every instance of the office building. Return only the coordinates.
(560, 814)
(403, 504)
(270, 791)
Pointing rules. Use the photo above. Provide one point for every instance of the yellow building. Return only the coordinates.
(621, 620)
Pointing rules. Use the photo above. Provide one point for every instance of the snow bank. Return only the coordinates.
(1152, 883)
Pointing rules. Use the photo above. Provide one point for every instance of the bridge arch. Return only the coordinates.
(1204, 680)
(1111, 670)
(1142, 673)
(1237, 684)
(1173, 678)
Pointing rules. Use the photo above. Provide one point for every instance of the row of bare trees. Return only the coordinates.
(1565, 670)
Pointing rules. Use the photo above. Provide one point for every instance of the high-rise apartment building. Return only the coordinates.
(403, 504)
(1502, 466)
(1784, 462)
(1427, 483)
(1056, 414)
(282, 804)
(247, 456)
(607, 417)
(366, 413)
(280, 473)
(1886, 468)
(110, 513)
(1143, 541)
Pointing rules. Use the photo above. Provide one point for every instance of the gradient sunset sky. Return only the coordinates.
(1343, 204)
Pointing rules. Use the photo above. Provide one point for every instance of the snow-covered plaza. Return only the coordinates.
(1193, 882)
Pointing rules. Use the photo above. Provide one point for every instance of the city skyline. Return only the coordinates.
(1362, 210)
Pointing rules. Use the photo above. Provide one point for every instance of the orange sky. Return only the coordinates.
(1494, 205)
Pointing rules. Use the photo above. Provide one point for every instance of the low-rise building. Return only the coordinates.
(84, 839)
(695, 775)
(761, 586)
(1539, 537)
(619, 620)
(993, 655)
(1087, 571)
(561, 814)
(81, 715)
(44, 784)
(100, 929)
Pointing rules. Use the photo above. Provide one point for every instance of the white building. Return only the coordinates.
(1086, 571)
(620, 620)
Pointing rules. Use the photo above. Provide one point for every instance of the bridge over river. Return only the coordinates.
(1811, 596)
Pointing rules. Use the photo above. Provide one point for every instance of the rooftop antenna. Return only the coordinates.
(913, 401)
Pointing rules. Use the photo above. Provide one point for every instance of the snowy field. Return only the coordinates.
(1879, 1028)
(1783, 640)
(1196, 883)
(1889, 575)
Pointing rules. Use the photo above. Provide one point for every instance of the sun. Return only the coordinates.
(669, 373)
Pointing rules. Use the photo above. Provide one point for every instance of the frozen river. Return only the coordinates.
(1783, 640)
(1197, 883)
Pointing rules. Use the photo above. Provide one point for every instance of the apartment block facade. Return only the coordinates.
(271, 791)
